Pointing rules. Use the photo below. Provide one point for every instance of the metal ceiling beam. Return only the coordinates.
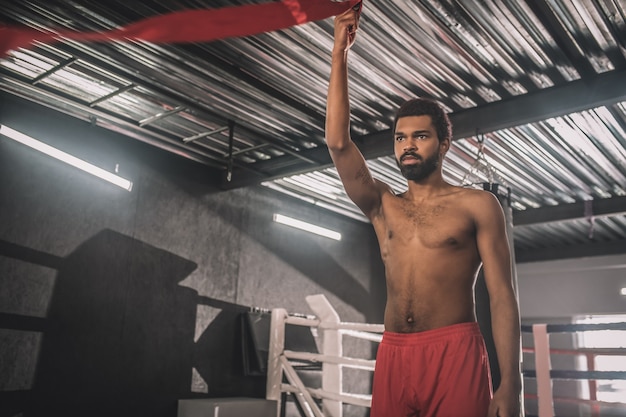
(576, 96)
(562, 36)
(601, 90)
(53, 70)
(597, 208)
(276, 168)
(103, 119)
(111, 60)
(571, 251)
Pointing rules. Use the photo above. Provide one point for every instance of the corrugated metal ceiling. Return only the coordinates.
(515, 65)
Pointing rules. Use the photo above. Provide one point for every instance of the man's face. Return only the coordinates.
(417, 148)
(420, 170)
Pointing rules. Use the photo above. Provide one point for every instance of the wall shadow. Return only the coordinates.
(218, 358)
(119, 333)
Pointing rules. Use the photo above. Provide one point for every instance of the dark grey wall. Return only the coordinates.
(120, 303)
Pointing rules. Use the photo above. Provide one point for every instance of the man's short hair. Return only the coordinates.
(427, 107)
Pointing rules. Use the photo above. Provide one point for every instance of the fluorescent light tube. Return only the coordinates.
(299, 224)
(65, 157)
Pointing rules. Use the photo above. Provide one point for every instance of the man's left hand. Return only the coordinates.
(505, 403)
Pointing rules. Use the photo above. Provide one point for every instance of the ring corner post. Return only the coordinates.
(274, 366)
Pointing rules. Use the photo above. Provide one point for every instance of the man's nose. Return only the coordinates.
(410, 145)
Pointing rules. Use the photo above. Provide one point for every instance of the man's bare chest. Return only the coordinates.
(429, 226)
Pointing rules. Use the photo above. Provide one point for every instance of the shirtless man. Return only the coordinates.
(433, 240)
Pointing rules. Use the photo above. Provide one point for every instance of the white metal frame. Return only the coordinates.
(331, 330)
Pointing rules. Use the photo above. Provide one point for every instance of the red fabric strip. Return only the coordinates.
(194, 25)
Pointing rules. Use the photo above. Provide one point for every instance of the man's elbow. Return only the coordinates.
(337, 146)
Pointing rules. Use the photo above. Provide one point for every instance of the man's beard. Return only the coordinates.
(420, 170)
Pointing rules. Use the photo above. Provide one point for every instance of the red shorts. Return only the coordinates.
(442, 372)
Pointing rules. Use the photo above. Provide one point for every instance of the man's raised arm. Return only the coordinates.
(356, 177)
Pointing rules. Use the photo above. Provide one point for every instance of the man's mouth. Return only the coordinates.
(410, 159)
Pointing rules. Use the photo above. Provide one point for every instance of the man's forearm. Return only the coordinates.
(506, 334)
(338, 104)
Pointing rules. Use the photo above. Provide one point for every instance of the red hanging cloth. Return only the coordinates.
(193, 25)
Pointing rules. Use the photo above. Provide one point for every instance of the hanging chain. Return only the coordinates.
(481, 165)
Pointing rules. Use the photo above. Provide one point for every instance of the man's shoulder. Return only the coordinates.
(459, 193)
(474, 200)
(475, 193)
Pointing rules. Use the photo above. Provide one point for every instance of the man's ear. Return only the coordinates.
(444, 146)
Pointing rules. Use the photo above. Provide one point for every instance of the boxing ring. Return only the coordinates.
(283, 377)
(545, 376)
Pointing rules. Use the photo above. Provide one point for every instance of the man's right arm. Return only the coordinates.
(350, 164)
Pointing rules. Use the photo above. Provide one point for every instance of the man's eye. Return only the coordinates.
(399, 138)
